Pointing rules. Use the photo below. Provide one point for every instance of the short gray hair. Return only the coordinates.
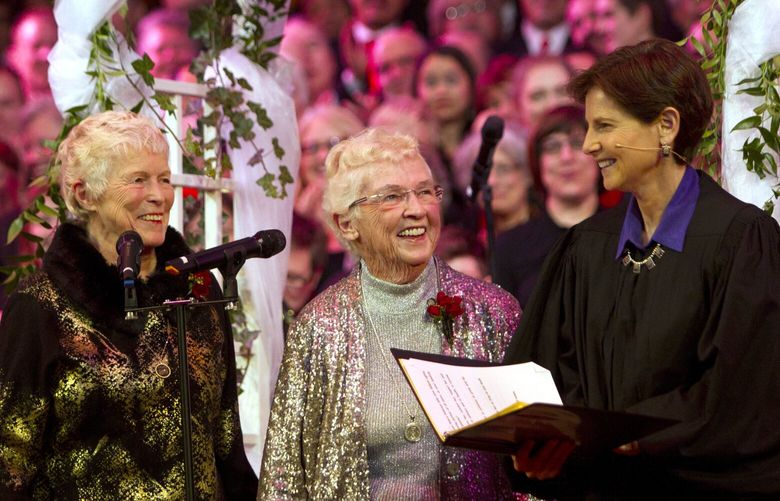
(93, 147)
(351, 163)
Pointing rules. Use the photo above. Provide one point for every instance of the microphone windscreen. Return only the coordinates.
(493, 129)
(272, 241)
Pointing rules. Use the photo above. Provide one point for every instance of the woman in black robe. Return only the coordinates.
(668, 305)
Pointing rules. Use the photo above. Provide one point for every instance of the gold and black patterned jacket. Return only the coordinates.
(83, 414)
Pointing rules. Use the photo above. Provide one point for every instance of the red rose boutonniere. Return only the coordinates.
(200, 283)
(443, 311)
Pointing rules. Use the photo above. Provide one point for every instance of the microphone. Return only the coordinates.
(128, 247)
(265, 243)
(492, 131)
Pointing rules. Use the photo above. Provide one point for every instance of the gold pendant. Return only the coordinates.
(162, 370)
(412, 433)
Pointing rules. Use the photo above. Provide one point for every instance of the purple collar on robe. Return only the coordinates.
(674, 221)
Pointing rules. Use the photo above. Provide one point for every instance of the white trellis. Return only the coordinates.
(212, 189)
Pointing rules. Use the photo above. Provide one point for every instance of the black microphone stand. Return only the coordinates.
(230, 299)
(490, 228)
(487, 201)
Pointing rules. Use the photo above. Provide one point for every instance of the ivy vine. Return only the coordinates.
(756, 152)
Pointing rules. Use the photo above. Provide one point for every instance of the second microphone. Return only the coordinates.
(263, 244)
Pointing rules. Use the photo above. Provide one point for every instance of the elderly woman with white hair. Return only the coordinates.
(89, 401)
(344, 423)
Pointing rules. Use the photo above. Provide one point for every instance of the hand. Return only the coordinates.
(629, 449)
(544, 462)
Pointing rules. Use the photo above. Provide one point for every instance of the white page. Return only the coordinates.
(457, 396)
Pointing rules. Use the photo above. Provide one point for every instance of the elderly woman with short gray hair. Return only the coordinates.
(344, 423)
(89, 401)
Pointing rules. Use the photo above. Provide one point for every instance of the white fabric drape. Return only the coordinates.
(262, 280)
(752, 39)
(68, 59)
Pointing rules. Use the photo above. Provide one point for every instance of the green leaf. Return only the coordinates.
(752, 91)
(284, 175)
(15, 228)
(278, 150)
(143, 67)
(244, 84)
(747, 123)
(263, 120)
(165, 102)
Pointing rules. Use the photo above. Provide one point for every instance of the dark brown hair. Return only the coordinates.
(646, 78)
(564, 119)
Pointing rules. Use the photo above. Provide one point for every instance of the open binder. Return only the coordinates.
(492, 407)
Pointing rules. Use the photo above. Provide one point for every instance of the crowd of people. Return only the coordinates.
(434, 70)
(608, 265)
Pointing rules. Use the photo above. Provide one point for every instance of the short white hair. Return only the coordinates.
(95, 146)
(352, 162)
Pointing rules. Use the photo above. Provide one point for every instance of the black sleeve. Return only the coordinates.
(28, 348)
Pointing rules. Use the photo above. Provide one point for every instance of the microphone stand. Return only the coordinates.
(230, 299)
(487, 201)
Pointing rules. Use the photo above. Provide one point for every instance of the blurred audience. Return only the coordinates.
(470, 43)
(304, 44)
(163, 34)
(10, 166)
(540, 85)
(568, 179)
(445, 82)
(395, 55)
(543, 29)
(482, 17)
(509, 179)
(462, 251)
(11, 103)
(628, 22)
(40, 122)
(369, 19)
(32, 36)
(321, 128)
(308, 259)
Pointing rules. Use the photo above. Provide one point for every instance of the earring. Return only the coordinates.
(666, 150)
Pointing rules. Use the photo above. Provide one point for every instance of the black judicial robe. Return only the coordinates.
(697, 338)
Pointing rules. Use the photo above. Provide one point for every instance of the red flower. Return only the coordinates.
(443, 311)
(200, 283)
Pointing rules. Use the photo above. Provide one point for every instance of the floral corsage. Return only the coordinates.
(443, 311)
(200, 283)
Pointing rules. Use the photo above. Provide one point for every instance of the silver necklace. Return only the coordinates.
(649, 261)
(412, 431)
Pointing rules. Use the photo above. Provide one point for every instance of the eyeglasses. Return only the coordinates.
(553, 146)
(393, 198)
(465, 9)
(314, 147)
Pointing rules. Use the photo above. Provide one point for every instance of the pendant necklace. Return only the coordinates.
(413, 431)
(649, 261)
(160, 368)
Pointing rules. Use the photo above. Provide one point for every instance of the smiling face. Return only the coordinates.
(138, 197)
(396, 243)
(542, 89)
(510, 183)
(609, 125)
(568, 174)
(443, 85)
